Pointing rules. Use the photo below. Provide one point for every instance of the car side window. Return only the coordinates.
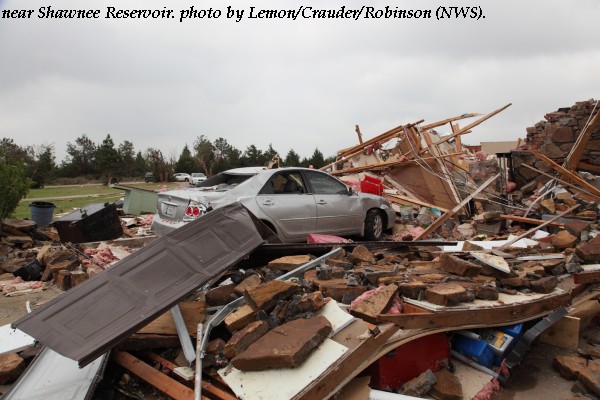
(284, 183)
(325, 184)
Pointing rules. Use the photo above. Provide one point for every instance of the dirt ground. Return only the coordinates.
(13, 308)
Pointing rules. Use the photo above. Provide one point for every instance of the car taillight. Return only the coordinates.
(196, 211)
(188, 211)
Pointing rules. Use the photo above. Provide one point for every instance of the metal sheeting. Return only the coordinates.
(92, 317)
(54, 377)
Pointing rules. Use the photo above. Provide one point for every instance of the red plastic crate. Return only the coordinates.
(410, 360)
(371, 185)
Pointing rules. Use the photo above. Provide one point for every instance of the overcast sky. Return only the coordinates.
(294, 84)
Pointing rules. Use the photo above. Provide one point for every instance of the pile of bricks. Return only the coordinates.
(556, 135)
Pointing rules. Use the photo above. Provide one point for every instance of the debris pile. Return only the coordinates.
(216, 309)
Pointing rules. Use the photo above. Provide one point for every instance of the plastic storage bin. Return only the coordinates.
(474, 348)
(371, 185)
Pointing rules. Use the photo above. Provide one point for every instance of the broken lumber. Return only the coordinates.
(472, 124)
(438, 222)
(497, 315)
(532, 221)
(532, 230)
(572, 160)
(152, 376)
(558, 180)
(565, 173)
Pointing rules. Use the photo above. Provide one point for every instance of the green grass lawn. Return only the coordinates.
(68, 198)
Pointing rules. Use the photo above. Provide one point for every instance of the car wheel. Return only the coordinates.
(373, 225)
(187, 180)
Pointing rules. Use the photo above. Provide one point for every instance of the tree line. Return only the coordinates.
(109, 162)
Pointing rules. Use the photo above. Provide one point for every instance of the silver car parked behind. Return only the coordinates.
(292, 201)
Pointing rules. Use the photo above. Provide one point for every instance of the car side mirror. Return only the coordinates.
(350, 191)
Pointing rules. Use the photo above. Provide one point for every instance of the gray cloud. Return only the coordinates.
(294, 84)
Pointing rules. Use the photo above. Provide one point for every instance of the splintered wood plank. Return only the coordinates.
(477, 316)
(472, 124)
(567, 174)
(535, 228)
(154, 377)
(533, 221)
(193, 314)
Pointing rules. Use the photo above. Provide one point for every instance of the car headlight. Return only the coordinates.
(195, 209)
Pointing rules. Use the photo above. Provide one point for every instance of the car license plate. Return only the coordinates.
(170, 211)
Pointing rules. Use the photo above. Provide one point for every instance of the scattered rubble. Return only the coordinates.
(504, 248)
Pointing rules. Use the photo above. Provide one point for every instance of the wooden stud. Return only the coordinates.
(154, 377)
(535, 228)
(556, 179)
(532, 221)
(473, 124)
(360, 139)
(568, 175)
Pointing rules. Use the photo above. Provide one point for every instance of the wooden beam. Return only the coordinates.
(451, 119)
(360, 140)
(496, 315)
(532, 221)
(557, 179)
(154, 377)
(374, 167)
(379, 166)
(473, 124)
(589, 167)
(384, 136)
(574, 156)
(438, 222)
(352, 151)
(565, 173)
(532, 230)
(458, 140)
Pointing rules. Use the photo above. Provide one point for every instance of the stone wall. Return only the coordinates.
(555, 137)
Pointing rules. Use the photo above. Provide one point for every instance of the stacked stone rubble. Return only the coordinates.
(555, 137)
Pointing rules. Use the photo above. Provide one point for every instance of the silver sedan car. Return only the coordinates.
(293, 202)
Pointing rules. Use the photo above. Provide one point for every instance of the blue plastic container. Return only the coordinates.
(512, 330)
(474, 348)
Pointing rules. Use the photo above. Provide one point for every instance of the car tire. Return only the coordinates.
(373, 225)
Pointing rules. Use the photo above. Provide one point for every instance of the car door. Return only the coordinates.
(286, 201)
(337, 211)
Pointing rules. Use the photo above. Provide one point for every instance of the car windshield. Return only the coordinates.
(223, 181)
